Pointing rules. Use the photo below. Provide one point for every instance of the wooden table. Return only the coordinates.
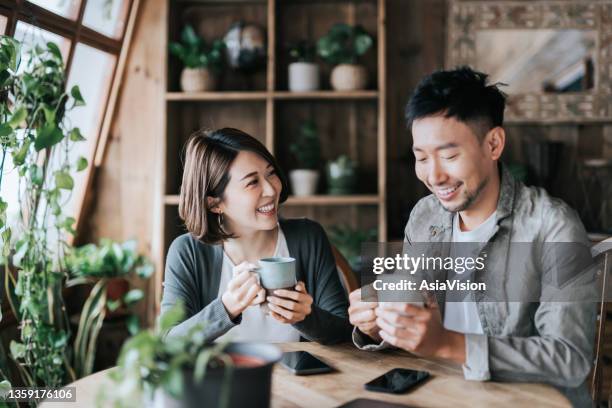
(354, 368)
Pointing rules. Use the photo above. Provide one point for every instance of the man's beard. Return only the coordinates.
(470, 197)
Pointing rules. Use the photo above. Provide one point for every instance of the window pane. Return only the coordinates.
(65, 8)
(106, 16)
(3, 21)
(30, 35)
(92, 71)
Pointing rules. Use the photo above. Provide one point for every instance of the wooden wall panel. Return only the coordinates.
(124, 199)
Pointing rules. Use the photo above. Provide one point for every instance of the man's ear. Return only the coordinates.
(213, 204)
(495, 141)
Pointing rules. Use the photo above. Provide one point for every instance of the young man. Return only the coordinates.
(456, 120)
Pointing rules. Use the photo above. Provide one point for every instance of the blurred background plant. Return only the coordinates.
(105, 266)
(348, 240)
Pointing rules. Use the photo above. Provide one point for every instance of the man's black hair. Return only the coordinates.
(461, 93)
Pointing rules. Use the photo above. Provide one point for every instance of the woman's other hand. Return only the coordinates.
(243, 290)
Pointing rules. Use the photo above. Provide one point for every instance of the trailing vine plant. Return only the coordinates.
(36, 132)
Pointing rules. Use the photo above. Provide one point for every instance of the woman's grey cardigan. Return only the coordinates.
(193, 272)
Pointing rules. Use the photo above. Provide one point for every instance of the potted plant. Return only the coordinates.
(201, 62)
(105, 268)
(348, 240)
(303, 72)
(342, 46)
(341, 175)
(186, 371)
(307, 153)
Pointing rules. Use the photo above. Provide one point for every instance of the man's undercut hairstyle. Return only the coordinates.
(461, 93)
(209, 155)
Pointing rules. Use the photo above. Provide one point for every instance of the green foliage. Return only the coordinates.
(195, 53)
(99, 263)
(34, 130)
(109, 259)
(348, 241)
(343, 44)
(307, 148)
(302, 51)
(151, 360)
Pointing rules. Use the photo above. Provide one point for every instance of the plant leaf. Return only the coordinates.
(75, 135)
(133, 324)
(5, 129)
(54, 49)
(63, 180)
(48, 136)
(76, 94)
(81, 164)
(18, 116)
(18, 350)
(171, 317)
(133, 296)
(20, 155)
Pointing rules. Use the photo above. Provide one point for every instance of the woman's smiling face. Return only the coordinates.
(250, 200)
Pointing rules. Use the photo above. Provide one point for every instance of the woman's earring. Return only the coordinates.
(220, 221)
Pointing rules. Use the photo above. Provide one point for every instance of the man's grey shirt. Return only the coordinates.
(545, 341)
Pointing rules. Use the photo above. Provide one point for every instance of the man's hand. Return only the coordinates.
(420, 331)
(288, 306)
(362, 314)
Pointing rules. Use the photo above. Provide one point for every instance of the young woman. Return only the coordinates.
(230, 195)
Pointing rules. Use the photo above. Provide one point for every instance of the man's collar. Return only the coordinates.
(507, 189)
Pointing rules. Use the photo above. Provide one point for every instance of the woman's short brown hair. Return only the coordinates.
(208, 157)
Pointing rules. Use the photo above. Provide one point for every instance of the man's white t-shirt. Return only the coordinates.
(256, 325)
(463, 316)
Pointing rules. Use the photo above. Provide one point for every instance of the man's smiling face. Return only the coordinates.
(451, 160)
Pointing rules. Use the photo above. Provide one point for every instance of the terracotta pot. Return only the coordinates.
(349, 77)
(197, 80)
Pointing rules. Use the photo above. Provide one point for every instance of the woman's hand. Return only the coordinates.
(288, 306)
(242, 291)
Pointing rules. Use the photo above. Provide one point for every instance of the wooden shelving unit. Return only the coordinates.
(350, 123)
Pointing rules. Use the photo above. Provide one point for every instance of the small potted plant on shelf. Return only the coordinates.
(307, 152)
(202, 62)
(303, 71)
(342, 46)
(186, 371)
(341, 175)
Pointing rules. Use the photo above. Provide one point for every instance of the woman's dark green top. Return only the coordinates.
(193, 272)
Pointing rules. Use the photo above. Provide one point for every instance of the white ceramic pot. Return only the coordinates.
(303, 76)
(349, 77)
(304, 182)
(197, 80)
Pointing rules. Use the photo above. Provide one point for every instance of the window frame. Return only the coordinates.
(77, 32)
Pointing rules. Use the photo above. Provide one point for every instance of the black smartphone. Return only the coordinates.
(397, 380)
(304, 363)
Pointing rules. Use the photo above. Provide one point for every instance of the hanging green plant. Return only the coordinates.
(34, 130)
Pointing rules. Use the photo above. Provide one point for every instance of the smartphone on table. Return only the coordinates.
(304, 363)
(397, 380)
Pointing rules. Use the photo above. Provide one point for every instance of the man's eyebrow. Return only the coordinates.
(253, 173)
(444, 146)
